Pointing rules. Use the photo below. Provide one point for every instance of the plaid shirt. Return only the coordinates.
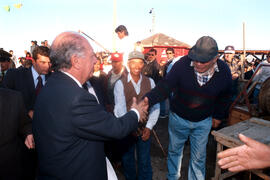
(234, 66)
(203, 78)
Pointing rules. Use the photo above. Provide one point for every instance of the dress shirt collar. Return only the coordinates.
(35, 76)
(129, 78)
(72, 77)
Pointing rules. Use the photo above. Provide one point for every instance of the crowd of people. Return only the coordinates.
(70, 113)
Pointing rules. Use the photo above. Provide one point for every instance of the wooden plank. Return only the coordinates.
(227, 174)
(223, 137)
(260, 121)
(238, 114)
(218, 169)
(227, 143)
(255, 128)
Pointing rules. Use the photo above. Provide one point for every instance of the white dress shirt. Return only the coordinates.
(120, 107)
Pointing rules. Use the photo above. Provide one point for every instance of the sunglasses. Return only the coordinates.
(151, 55)
(169, 53)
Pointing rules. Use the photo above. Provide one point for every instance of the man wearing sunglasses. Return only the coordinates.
(151, 67)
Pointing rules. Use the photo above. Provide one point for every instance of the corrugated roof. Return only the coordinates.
(160, 39)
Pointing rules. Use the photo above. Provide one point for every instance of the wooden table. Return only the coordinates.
(254, 128)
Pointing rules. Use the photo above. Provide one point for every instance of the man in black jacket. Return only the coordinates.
(151, 67)
(69, 125)
(14, 125)
(29, 82)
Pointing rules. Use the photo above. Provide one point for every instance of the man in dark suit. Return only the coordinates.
(69, 125)
(14, 125)
(29, 82)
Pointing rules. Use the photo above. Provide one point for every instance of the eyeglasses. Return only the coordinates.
(151, 55)
(169, 53)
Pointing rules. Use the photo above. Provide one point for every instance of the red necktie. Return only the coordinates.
(39, 85)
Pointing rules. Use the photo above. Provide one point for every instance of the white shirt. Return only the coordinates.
(124, 46)
(91, 90)
(120, 107)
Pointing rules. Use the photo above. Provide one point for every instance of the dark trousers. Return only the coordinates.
(143, 161)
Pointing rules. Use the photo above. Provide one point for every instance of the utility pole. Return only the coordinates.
(153, 20)
(114, 26)
(244, 50)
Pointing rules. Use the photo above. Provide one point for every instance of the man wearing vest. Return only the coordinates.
(136, 85)
(201, 86)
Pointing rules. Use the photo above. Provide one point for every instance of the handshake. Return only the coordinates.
(142, 108)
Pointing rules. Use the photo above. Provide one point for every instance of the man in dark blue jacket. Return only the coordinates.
(69, 125)
(201, 85)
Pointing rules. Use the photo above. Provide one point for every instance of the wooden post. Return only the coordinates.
(114, 26)
(243, 58)
(218, 169)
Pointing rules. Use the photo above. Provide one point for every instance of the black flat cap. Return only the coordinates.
(204, 50)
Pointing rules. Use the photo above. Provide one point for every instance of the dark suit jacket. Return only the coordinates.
(14, 124)
(22, 80)
(70, 127)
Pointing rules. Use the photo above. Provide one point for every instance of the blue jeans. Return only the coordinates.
(143, 159)
(179, 131)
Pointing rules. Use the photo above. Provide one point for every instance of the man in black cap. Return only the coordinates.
(201, 85)
(4, 64)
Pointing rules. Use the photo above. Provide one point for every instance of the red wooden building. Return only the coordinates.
(161, 42)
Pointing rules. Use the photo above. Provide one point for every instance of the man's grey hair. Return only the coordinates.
(61, 52)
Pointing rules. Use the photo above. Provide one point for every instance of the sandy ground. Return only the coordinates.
(159, 161)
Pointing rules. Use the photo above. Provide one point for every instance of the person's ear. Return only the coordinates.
(75, 62)
(215, 59)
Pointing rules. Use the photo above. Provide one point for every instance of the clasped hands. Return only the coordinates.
(141, 107)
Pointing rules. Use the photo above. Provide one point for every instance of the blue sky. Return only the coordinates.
(184, 20)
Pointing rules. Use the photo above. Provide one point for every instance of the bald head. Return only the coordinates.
(65, 46)
(72, 53)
